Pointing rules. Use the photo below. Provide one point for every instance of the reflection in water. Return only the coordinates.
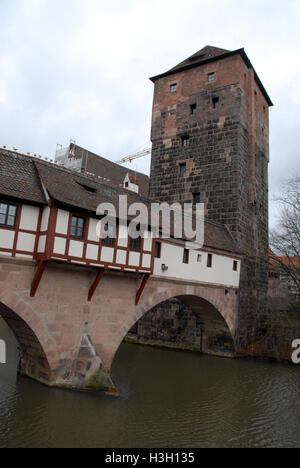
(168, 399)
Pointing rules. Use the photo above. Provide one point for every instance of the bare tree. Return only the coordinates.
(285, 239)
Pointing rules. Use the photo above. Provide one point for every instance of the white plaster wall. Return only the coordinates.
(59, 246)
(62, 222)
(6, 239)
(42, 244)
(92, 235)
(123, 236)
(29, 218)
(221, 272)
(92, 252)
(45, 219)
(134, 259)
(76, 249)
(107, 254)
(121, 257)
(146, 261)
(148, 240)
(26, 242)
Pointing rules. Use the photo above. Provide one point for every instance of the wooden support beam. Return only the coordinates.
(37, 277)
(141, 289)
(95, 285)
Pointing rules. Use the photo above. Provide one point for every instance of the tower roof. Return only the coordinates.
(211, 54)
(208, 52)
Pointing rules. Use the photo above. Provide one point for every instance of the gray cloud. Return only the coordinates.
(79, 69)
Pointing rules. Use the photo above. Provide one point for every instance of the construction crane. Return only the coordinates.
(130, 158)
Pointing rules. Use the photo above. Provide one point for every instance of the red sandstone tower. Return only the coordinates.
(210, 135)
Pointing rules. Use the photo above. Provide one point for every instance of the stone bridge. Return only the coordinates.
(67, 341)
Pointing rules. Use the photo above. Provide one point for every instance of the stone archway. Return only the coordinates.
(186, 323)
(216, 307)
(33, 359)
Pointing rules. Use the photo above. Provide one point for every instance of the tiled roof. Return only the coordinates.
(109, 170)
(22, 177)
(19, 179)
(202, 55)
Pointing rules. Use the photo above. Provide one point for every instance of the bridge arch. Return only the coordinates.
(215, 307)
(26, 327)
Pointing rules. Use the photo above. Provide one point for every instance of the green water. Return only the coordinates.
(167, 399)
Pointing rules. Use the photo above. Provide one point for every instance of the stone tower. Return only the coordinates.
(210, 136)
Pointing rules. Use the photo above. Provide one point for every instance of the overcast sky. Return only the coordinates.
(79, 69)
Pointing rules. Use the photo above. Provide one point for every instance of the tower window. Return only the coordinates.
(196, 198)
(185, 140)
(182, 169)
(186, 255)
(215, 102)
(209, 260)
(211, 77)
(173, 88)
(193, 109)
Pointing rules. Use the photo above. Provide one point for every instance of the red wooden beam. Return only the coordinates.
(141, 289)
(37, 277)
(95, 285)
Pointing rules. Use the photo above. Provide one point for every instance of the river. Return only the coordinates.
(168, 399)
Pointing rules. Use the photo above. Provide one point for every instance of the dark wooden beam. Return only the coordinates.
(141, 289)
(37, 277)
(95, 285)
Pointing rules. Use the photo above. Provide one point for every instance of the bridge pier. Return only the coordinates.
(86, 372)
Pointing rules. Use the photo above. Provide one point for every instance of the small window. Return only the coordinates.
(182, 169)
(235, 266)
(135, 244)
(77, 227)
(199, 258)
(173, 88)
(126, 184)
(108, 235)
(196, 198)
(215, 102)
(158, 250)
(193, 109)
(185, 140)
(8, 214)
(186, 255)
(211, 77)
(209, 260)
